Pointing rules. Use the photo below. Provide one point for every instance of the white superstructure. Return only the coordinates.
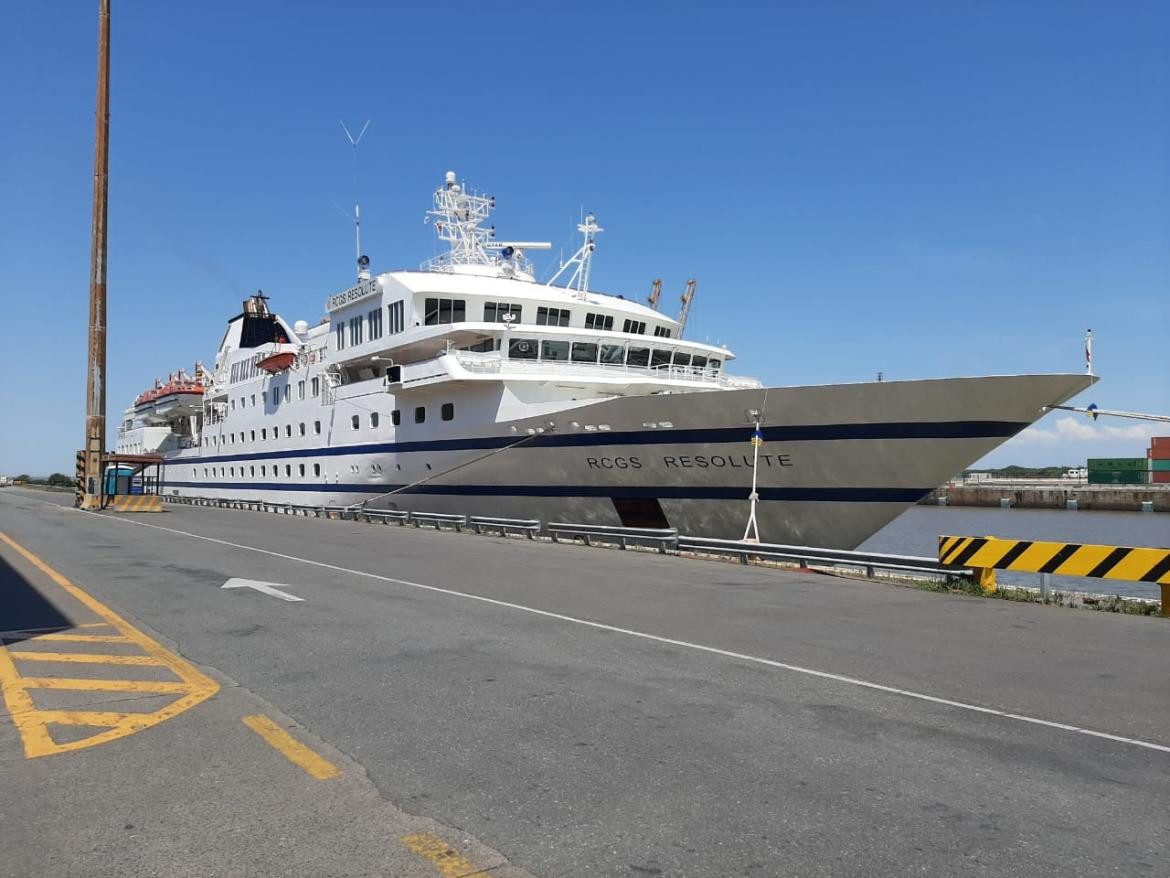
(470, 386)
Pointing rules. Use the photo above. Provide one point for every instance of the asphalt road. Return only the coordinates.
(595, 712)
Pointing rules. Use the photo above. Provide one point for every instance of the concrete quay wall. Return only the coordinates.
(1127, 498)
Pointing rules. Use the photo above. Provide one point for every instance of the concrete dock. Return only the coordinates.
(506, 707)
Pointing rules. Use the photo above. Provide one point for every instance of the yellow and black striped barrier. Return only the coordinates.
(136, 503)
(988, 554)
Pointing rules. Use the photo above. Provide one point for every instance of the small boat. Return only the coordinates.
(277, 362)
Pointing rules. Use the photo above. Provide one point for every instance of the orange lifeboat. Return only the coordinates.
(277, 362)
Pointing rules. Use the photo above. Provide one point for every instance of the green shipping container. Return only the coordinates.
(1118, 463)
(1160, 466)
(1118, 477)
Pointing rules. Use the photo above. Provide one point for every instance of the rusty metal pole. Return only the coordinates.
(95, 385)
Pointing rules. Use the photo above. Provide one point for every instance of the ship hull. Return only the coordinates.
(837, 463)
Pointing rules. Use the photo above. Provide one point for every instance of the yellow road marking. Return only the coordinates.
(153, 686)
(86, 658)
(191, 685)
(292, 749)
(82, 638)
(449, 862)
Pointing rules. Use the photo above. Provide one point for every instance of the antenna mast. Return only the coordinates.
(655, 293)
(686, 299)
(583, 258)
(357, 211)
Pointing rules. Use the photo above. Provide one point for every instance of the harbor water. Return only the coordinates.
(917, 530)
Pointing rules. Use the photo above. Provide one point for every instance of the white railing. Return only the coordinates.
(495, 363)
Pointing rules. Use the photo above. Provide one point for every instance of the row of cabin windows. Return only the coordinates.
(605, 354)
(211, 472)
(439, 311)
(250, 435)
(286, 393)
(247, 369)
(446, 412)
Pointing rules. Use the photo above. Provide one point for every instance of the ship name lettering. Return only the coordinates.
(718, 461)
(614, 462)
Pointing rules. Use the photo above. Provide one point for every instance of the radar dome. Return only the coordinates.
(301, 327)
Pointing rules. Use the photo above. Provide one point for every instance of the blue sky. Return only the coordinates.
(921, 189)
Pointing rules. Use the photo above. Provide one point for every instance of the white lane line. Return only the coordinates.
(268, 588)
(670, 641)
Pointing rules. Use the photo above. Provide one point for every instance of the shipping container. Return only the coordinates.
(1118, 463)
(1160, 478)
(1160, 466)
(1160, 443)
(1118, 477)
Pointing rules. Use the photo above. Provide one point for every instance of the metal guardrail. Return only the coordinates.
(664, 538)
(530, 527)
(869, 561)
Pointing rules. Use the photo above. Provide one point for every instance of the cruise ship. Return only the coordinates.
(468, 386)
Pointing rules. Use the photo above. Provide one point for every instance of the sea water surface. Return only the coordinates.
(917, 530)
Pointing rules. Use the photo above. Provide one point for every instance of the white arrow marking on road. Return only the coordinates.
(268, 588)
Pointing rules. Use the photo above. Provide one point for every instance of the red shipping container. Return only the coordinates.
(1160, 445)
(1160, 478)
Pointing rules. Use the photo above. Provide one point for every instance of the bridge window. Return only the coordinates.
(396, 417)
(340, 345)
(355, 330)
(552, 316)
(699, 362)
(521, 349)
(584, 352)
(714, 364)
(638, 357)
(440, 311)
(374, 318)
(660, 358)
(373, 419)
(397, 321)
(554, 350)
(448, 411)
(613, 354)
(662, 331)
(681, 359)
(420, 414)
(635, 327)
(493, 312)
(599, 321)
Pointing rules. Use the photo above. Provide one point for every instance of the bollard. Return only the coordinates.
(1045, 587)
(986, 579)
(1070, 504)
(1005, 503)
(1147, 506)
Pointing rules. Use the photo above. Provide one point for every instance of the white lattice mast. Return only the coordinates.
(582, 260)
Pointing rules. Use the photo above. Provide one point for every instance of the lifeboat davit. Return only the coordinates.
(277, 362)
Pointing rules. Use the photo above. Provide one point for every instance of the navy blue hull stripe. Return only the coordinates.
(712, 436)
(664, 492)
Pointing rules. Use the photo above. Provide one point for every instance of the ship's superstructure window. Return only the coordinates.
(638, 357)
(374, 319)
(420, 414)
(253, 399)
(233, 405)
(317, 427)
(635, 327)
(681, 359)
(397, 320)
(288, 469)
(340, 336)
(584, 352)
(662, 331)
(288, 431)
(554, 350)
(287, 392)
(660, 358)
(552, 316)
(699, 362)
(493, 312)
(448, 411)
(396, 417)
(302, 428)
(613, 354)
(373, 419)
(521, 349)
(262, 469)
(276, 396)
(300, 390)
(355, 330)
(440, 311)
(599, 321)
(316, 469)
(251, 470)
(355, 421)
(316, 387)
